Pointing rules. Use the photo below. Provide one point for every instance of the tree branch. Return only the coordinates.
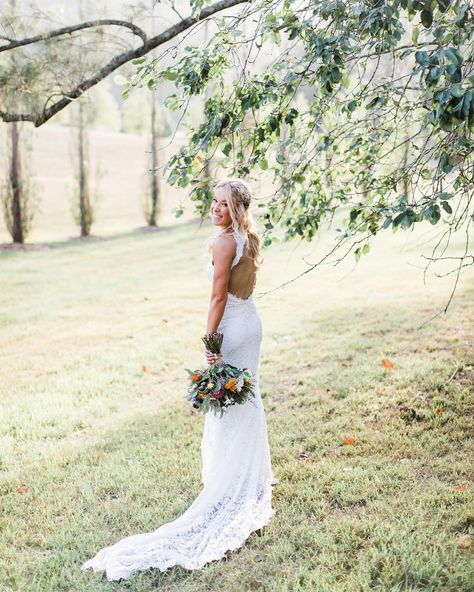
(13, 43)
(116, 62)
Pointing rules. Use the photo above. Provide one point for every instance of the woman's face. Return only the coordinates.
(220, 214)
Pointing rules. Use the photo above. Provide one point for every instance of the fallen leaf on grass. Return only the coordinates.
(459, 488)
(349, 440)
(306, 455)
(21, 488)
(440, 410)
(408, 413)
(387, 364)
(464, 542)
(145, 369)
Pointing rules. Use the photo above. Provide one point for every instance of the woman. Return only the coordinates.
(236, 466)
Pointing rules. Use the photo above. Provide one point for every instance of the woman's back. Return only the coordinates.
(243, 277)
(243, 274)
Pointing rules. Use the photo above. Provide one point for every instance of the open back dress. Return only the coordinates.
(236, 466)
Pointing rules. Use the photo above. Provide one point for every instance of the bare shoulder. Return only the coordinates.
(223, 246)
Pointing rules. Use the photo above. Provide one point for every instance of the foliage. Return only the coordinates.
(390, 91)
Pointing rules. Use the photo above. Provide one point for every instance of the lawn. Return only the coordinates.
(97, 441)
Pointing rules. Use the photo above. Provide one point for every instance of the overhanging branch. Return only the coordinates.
(13, 43)
(119, 60)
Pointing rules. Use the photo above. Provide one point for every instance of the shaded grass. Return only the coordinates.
(94, 422)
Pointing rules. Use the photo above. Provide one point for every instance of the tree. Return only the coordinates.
(86, 216)
(85, 210)
(19, 192)
(153, 205)
(152, 213)
(54, 47)
(378, 76)
(381, 77)
(18, 202)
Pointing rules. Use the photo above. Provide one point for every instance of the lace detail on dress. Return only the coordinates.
(236, 471)
(240, 239)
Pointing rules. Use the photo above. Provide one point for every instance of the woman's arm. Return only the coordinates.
(223, 252)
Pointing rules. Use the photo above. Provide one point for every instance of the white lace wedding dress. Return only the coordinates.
(236, 470)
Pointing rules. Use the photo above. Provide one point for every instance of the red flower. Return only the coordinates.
(220, 393)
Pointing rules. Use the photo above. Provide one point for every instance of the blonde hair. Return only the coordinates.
(238, 200)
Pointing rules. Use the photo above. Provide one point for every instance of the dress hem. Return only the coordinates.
(97, 565)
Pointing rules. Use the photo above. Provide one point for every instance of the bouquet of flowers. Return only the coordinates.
(220, 385)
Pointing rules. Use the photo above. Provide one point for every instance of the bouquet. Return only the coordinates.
(220, 385)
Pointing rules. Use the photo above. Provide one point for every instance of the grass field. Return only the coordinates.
(97, 442)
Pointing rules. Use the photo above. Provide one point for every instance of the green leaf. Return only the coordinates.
(434, 73)
(375, 102)
(263, 164)
(446, 163)
(446, 207)
(426, 17)
(461, 13)
(169, 74)
(422, 58)
(352, 106)
(120, 80)
(444, 196)
(434, 213)
(226, 148)
(453, 56)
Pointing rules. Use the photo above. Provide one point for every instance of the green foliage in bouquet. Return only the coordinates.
(220, 385)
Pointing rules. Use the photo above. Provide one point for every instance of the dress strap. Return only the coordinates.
(240, 239)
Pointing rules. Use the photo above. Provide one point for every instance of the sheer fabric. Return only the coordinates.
(236, 470)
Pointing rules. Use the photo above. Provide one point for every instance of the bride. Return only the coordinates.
(236, 467)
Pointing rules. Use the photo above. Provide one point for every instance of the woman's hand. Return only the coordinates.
(211, 358)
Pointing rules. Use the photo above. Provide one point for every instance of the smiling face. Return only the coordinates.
(220, 214)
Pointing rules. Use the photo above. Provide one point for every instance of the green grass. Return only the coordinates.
(107, 449)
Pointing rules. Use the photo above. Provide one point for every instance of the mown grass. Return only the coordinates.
(95, 424)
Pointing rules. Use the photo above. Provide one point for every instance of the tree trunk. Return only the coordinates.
(15, 179)
(155, 187)
(84, 200)
(16, 186)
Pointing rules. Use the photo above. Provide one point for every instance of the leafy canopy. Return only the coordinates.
(366, 106)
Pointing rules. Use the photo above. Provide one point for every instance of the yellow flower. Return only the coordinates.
(231, 384)
(202, 395)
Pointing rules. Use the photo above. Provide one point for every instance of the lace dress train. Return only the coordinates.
(236, 471)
